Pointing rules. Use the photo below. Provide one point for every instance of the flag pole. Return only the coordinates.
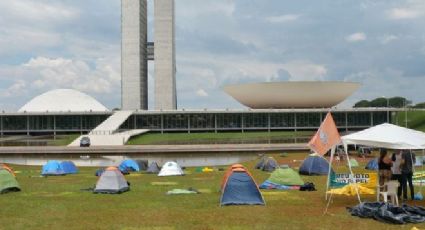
(329, 172)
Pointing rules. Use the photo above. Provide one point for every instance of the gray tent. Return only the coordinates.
(153, 168)
(143, 164)
(112, 181)
(270, 165)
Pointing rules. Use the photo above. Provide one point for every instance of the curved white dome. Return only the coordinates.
(63, 100)
(280, 95)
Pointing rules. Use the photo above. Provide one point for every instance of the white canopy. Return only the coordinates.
(387, 136)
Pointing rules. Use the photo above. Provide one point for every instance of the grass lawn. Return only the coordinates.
(58, 203)
(415, 120)
(224, 137)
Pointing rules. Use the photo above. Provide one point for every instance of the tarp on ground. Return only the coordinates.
(129, 165)
(171, 169)
(350, 190)
(8, 182)
(52, 168)
(372, 164)
(69, 167)
(387, 136)
(388, 213)
(314, 165)
(270, 185)
(112, 181)
(153, 168)
(181, 191)
(240, 189)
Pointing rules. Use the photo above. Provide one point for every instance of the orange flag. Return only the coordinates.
(326, 137)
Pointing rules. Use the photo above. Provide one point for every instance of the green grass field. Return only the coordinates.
(415, 119)
(58, 203)
(246, 137)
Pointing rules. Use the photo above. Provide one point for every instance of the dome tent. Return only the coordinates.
(8, 182)
(112, 181)
(171, 169)
(239, 188)
(69, 167)
(283, 178)
(52, 168)
(314, 165)
(270, 165)
(372, 164)
(129, 165)
(153, 168)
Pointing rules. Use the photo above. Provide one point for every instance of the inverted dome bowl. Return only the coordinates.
(281, 95)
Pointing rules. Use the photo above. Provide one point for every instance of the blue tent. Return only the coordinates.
(69, 167)
(52, 168)
(240, 189)
(372, 164)
(314, 165)
(129, 165)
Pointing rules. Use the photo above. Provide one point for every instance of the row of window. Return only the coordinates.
(207, 121)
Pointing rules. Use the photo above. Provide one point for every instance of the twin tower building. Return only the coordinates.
(136, 51)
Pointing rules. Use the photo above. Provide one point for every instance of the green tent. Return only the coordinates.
(285, 176)
(8, 182)
(354, 163)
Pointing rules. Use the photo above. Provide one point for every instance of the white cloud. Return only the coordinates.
(356, 37)
(14, 89)
(302, 70)
(403, 13)
(201, 93)
(283, 18)
(388, 38)
(53, 73)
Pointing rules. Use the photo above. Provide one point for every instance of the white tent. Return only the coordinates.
(171, 169)
(387, 136)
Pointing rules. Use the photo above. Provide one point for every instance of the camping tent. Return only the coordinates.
(8, 182)
(386, 136)
(112, 181)
(69, 167)
(52, 168)
(354, 162)
(283, 178)
(143, 164)
(6, 167)
(129, 165)
(270, 165)
(239, 188)
(260, 163)
(314, 165)
(171, 169)
(153, 168)
(372, 164)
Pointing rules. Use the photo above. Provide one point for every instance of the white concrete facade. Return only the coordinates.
(165, 58)
(134, 64)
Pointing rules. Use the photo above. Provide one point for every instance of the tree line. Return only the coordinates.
(393, 102)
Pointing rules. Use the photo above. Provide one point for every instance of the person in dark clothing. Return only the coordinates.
(384, 164)
(408, 162)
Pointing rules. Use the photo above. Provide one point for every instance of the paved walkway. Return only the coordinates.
(142, 149)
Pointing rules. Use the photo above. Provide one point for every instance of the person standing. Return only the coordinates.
(396, 171)
(408, 162)
(384, 164)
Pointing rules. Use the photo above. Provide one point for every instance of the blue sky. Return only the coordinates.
(48, 44)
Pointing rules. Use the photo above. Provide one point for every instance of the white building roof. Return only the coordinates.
(280, 95)
(63, 100)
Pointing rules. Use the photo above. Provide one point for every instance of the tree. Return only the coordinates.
(362, 104)
(399, 102)
(379, 102)
(420, 105)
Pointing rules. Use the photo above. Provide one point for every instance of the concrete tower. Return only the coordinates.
(165, 58)
(134, 63)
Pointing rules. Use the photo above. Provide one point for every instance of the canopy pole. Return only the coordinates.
(329, 171)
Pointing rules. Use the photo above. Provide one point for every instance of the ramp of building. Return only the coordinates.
(107, 133)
